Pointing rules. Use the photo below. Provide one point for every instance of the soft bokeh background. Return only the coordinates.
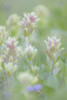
(56, 25)
(58, 9)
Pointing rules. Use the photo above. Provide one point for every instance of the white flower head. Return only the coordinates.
(25, 78)
(10, 68)
(30, 52)
(13, 20)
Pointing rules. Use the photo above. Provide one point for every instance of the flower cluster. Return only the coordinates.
(29, 22)
(10, 68)
(11, 50)
(30, 52)
(32, 70)
(36, 87)
(53, 47)
(53, 51)
(11, 54)
(28, 25)
(3, 34)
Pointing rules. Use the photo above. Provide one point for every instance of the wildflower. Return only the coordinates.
(53, 51)
(29, 22)
(25, 78)
(30, 52)
(10, 68)
(30, 88)
(3, 34)
(11, 52)
(13, 21)
(36, 87)
(53, 47)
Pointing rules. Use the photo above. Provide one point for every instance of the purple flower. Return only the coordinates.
(30, 88)
(37, 87)
(34, 88)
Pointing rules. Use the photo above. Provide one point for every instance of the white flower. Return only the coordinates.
(13, 20)
(10, 68)
(30, 52)
(25, 78)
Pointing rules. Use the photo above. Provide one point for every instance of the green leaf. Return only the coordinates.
(47, 67)
(56, 61)
(52, 82)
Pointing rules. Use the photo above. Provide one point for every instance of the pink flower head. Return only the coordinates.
(11, 50)
(52, 46)
(29, 22)
(53, 43)
(32, 17)
(12, 43)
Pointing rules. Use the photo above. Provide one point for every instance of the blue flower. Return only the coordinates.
(30, 88)
(37, 87)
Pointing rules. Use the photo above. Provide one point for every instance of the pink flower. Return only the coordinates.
(52, 46)
(29, 22)
(32, 17)
(11, 50)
